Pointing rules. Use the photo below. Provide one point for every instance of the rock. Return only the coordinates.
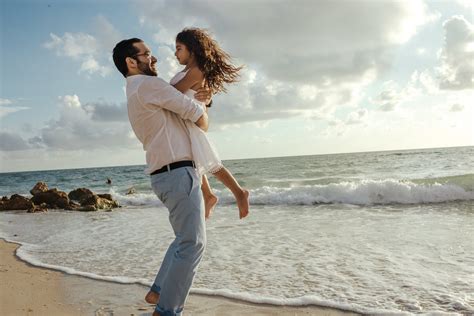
(80, 194)
(38, 188)
(53, 199)
(87, 208)
(81, 199)
(16, 202)
(100, 203)
(131, 191)
(74, 205)
(106, 196)
(38, 208)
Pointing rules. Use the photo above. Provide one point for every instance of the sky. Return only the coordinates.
(319, 76)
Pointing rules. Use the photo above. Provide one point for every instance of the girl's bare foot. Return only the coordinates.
(243, 203)
(209, 202)
(152, 298)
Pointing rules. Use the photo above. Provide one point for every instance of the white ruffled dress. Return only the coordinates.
(204, 153)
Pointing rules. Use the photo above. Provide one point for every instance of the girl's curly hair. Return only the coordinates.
(214, 62)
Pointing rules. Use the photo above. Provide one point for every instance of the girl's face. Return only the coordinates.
(182, 54)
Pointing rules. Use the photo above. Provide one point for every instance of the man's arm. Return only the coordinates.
(203, 122)
(157, 92)
(192, 79)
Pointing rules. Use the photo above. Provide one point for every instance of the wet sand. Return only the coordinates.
(30, 290)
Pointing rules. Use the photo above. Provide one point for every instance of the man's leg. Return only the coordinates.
(185, 203)
(153, 295)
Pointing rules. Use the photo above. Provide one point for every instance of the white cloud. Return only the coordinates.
(421, 51)
(6, 107)
(5, 110)
(301, 60)
(71, 101)
(93, 52)
(388, 99)
(5, 101)
(465, 3)
(91, 66)
(168, 66)
(457, 55)
(456, 108)
(79, 127)
(393, 96)
(357, 117)
(76, 45)
(311, 42)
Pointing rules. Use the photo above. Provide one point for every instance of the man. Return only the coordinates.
(156, 111)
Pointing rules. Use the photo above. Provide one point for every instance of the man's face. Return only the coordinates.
(146, 62)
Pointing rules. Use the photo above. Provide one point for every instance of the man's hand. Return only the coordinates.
(203, 94)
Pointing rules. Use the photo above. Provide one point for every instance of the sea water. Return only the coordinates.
(379, 232)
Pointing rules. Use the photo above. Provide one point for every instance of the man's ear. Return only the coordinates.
(131, 63)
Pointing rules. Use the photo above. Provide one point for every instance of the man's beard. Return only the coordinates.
(146, 70)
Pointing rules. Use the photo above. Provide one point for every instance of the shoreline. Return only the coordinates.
(30, 290)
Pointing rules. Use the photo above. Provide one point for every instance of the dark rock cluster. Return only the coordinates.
(81, 199)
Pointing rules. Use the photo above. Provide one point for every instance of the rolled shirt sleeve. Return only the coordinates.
(158, 92)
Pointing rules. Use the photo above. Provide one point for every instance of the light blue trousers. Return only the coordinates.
(180, 192)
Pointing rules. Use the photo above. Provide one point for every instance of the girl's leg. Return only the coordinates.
(241, 195)
(210, 199)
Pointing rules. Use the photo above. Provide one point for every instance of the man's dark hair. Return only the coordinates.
(123, 50)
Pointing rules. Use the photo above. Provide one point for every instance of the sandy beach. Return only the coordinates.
(29, 290)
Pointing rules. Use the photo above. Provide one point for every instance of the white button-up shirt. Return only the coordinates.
(156, 111)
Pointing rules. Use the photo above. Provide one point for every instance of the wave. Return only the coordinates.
(362, 192)
(307, 300)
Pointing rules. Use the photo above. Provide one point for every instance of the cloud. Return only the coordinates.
(388, 100)
(357, 117)
(456, 71)
(257, 98)
(308, 42)
(392, 96)
(71, 45)
(5, 101)
(79, 127)
(91, 66)
(93, 52)
(106, 33)
(6, 108)
(301, 59)
(456, 108)
(465, 3)
(107, 112)
(12, 142)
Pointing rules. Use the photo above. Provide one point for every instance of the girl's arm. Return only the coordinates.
(192, 79)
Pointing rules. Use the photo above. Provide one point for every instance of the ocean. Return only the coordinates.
(378, 232)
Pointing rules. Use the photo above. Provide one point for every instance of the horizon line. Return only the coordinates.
(252, 158)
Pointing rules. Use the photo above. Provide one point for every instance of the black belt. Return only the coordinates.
(174, 165)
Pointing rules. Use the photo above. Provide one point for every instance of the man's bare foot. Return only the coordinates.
(243, 203)
(209, 202)
(152, 298)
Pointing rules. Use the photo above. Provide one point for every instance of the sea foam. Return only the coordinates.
(364, 192)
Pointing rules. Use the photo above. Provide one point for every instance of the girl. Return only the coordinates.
(207, 64)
